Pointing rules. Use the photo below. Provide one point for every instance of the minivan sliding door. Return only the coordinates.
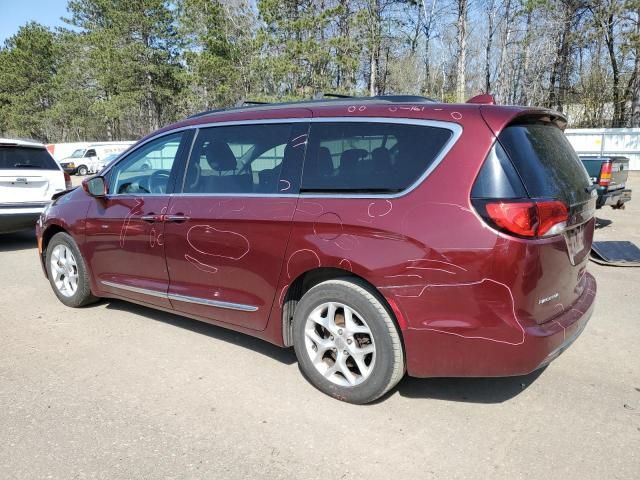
(227, 232)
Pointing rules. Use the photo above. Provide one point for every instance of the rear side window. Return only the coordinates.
(23, 157)
(369, 157)
(546, 162)
(239, 159)
(498, 178)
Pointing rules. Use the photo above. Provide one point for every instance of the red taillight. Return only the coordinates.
(67, 181)
(605, 174)
(529, 219)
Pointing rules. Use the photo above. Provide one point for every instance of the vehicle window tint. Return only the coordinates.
(369, 157)
(24, 157)
(90, 153)
(237, 159)
(146, 170)
(546, 162)
(497, 177)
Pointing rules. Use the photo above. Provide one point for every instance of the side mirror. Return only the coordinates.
(95, 186)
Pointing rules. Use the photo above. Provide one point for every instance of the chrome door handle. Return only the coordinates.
(152, 217)
(175, 218)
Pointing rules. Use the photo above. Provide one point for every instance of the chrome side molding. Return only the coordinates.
(182, 298)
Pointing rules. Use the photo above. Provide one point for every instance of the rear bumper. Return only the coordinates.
(14, 218)
(614, 198)
(436, 354)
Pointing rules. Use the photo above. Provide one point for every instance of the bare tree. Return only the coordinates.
(462, 10)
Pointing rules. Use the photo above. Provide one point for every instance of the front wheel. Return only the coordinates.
(347, 344)
(67, 272)
(82, 170)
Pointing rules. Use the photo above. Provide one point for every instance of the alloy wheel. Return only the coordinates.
(340, 344)
(64, 269)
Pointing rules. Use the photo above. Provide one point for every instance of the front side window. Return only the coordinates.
(238, 159)
(369, 156)
(90, 153)
(146, 170)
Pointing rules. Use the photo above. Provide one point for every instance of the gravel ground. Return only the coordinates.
(118, 391)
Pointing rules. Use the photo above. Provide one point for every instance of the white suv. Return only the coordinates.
(29, 177)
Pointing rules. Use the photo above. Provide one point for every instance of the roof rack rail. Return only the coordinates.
(206, 112)
(335, 98)
(246, 103)
(321, 95)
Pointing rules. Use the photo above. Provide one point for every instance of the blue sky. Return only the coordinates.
(15, 13)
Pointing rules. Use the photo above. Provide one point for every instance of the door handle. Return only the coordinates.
(179, 217)
(151, 218)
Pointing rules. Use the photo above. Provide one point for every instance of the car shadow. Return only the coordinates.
(283, 355)
(12, 242)
(469, 390)
(602, 223)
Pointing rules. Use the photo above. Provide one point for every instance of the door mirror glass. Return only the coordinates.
(95, 186)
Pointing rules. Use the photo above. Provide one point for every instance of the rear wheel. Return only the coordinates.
(82, 170)
(67, 272)
(346, 342)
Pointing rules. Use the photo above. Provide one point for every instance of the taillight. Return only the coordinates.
(605, 174)
(67, 181)
(530, 218)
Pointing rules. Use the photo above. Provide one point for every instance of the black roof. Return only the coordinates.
(325, 99)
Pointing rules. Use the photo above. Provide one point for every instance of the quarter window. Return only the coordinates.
(238, 159)
(369, 157)
(146, 170)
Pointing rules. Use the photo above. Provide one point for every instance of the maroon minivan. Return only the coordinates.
(376, 236)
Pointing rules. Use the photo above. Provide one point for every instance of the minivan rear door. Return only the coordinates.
(550, 169)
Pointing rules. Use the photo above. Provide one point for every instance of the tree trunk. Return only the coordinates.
(428, 22)
(618, 107)
(487, 58)
(462, 50)
(374, 45)
(635, 98)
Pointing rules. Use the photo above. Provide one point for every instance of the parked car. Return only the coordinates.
(92, 159)
(29, 177)
(609, 175)
(376, 236)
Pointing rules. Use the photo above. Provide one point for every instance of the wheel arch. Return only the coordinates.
(310, 278)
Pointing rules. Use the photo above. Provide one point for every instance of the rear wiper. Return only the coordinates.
(25, 165)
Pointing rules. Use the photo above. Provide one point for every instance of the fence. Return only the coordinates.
(607, 141)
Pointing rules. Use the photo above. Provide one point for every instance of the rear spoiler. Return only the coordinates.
(498, 119)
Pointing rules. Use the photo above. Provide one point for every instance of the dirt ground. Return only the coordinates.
(118, 391)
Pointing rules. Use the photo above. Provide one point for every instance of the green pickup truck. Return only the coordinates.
(609, 175)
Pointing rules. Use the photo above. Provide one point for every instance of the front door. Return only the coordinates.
(226, 233)
(125, 232)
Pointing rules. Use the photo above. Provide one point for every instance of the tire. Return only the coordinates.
(373, 361)
(64, 253)
(82, 170)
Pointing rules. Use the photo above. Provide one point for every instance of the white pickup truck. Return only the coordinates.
(29, 177)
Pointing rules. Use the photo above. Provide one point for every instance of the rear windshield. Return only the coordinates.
(369, 157)
(546, 162)
(28, 158)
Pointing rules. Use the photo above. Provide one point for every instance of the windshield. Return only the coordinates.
(78, 153)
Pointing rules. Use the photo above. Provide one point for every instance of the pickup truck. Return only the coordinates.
(609, 175)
